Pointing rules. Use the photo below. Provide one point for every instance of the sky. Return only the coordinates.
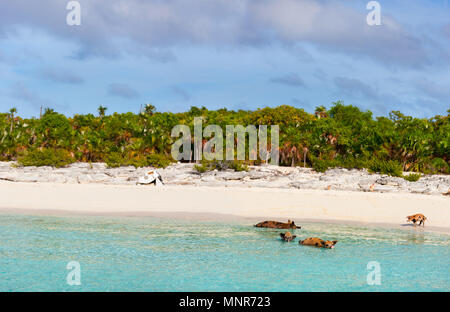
(238, 54)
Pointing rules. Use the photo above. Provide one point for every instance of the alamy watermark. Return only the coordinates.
(74, 276)
(235, 135)
(73, 18)
(374, 275)
(374, 16)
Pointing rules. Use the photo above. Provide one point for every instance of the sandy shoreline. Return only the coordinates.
(224, 203)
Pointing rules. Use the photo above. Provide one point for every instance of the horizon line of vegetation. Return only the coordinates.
(342, 136)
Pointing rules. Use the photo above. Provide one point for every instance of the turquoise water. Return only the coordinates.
(149, 254)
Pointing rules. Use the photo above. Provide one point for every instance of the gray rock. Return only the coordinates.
(57, 178)
(336, 171)
(384, 188)
(312, 185)
(419, 189)
(327, 178)
(8, 176)
(254, 175)
(231, 175)
(266, 176)
(85, 178)
(386, 180)
(28, 178)
(208, 178)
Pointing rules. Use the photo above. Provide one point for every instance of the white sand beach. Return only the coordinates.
(250, 203)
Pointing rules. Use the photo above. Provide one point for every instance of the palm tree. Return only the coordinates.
(101, 111)
(305, 152)
(49, 111)
(149, 109)
(12, 111)
(320, 112)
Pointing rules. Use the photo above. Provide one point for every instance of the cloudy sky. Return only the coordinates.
(239, 54)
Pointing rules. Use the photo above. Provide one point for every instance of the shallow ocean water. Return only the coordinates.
(152, 254)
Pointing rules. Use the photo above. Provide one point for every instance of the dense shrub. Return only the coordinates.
(320, 165)
(115, 160)
(389, 167)
(159, 160)
(412, 177)
(438, 165)
(221, 166)
(46, 157)
(392, 168)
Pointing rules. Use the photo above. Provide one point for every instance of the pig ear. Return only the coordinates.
(334, 242)
(282, 235)
(294, 236)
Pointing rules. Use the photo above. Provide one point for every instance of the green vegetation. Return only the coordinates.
(221, 165)
(412, 177)
(46, 157)
(343, 136)
(389, 167)
(158, 161)
(115, 160)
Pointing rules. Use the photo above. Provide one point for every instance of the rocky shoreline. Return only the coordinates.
(258, 176)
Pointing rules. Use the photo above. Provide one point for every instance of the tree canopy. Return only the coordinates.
(343, 136)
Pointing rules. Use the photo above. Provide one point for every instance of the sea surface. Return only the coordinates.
(152, 254)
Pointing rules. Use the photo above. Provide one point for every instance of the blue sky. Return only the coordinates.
(239, 54)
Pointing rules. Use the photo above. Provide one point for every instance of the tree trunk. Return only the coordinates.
(12, 122)
(305, 151)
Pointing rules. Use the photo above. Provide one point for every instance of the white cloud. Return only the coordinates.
(164, 24)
